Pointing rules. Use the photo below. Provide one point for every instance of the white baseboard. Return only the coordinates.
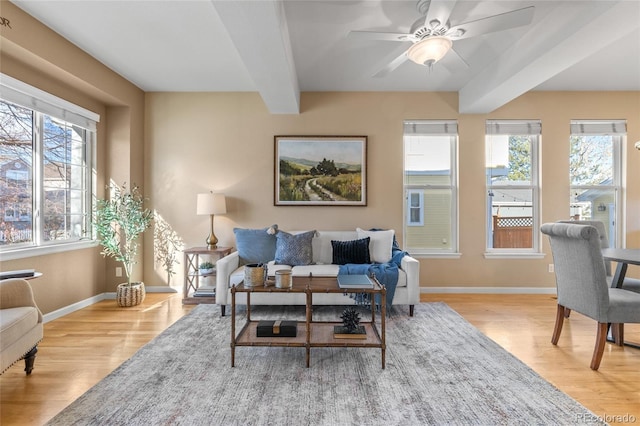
(489, 290)
(73, 307)
(95, 299)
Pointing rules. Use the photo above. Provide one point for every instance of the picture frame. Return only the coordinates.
(320, 171)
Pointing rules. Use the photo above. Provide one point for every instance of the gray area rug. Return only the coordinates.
(440, 370)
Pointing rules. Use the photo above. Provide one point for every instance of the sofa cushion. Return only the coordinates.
(256, 245)
(353, 251)
(294, 249)
(315, 270)
(380, 244)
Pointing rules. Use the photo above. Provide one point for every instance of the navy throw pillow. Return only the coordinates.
(354, 251)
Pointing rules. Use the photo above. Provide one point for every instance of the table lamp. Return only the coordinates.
(211, 204)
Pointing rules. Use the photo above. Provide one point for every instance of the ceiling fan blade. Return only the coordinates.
(374, 35)
(395, 63)
(439, 10)
(503, 21)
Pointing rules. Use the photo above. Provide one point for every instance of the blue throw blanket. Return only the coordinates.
(386, 274)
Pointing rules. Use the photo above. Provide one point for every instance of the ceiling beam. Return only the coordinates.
(542, 54)
(259, 31)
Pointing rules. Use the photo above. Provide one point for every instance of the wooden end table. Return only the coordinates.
(192, 274)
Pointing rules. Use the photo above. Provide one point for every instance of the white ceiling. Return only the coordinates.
(282, 48)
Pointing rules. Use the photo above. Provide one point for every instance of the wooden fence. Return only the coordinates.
(512, 232)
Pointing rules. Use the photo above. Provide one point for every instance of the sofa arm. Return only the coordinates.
(224, 268)
(16, 293)
(411, 266)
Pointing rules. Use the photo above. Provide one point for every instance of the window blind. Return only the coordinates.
(22, 94)
(598, 127)
(431, 127)
(513, 127)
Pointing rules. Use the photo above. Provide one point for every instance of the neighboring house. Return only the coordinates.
(16, 203)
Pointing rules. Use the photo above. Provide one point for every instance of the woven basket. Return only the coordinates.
(132, 295)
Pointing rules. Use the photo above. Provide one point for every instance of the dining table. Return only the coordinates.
(624, 257)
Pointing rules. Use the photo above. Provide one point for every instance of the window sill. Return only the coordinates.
(27, 252)
(513, 255)
(447, 255)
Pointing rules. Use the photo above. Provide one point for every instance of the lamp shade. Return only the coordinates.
(429, 50)
(210, 203)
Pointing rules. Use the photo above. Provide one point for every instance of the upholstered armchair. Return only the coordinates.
(20, 324)
(582, 284)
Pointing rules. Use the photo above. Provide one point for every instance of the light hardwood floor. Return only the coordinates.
(82, 348)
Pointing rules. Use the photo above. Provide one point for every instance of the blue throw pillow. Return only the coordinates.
(354, 251)
(294, 249)
(256, 245)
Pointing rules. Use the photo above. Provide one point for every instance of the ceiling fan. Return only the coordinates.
(433, 35)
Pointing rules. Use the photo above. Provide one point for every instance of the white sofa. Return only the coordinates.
(230, 272)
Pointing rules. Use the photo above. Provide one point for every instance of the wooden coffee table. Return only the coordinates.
(311, 334)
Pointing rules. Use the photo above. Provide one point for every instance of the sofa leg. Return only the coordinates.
(411, 310)
(30, 359)
(222, 310)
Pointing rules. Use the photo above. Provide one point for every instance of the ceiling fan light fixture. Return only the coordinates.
(429, 50)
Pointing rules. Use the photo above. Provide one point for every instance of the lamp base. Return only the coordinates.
(212, 240)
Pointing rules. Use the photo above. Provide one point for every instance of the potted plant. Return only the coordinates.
(206, 268)
(119, 221)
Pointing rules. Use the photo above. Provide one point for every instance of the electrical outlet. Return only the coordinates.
(551, 268)
(118, 271)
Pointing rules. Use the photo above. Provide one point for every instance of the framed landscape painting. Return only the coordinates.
(320, 171)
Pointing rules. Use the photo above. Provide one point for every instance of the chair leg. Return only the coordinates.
(567, 312)
(560, 315)
(618, 333)
(222, 310)
(411, 310)
(30, 359)
(598, 350)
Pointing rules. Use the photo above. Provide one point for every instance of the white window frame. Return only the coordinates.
(532, 128)
(43, 103)
(617, 129)
(410, 207)
(447, 128)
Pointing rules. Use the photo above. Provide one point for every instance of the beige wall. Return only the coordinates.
(194, 142)
(197, 142)
(32, 53)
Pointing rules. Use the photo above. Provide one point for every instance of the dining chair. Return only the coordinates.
(582, 285)
(632, 284)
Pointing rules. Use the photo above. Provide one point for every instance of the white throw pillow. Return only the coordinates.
(380, 244)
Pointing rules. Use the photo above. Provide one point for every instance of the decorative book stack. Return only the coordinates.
(205, 292)
(277, 328)
(341, 332)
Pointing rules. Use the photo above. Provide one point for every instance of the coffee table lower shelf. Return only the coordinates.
(321, 336)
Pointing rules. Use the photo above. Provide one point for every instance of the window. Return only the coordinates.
(430, 186)
(512, 185)
(415, 207)
(46, 166)
(594, 172)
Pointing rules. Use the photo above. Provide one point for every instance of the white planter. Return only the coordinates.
(207, 271)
